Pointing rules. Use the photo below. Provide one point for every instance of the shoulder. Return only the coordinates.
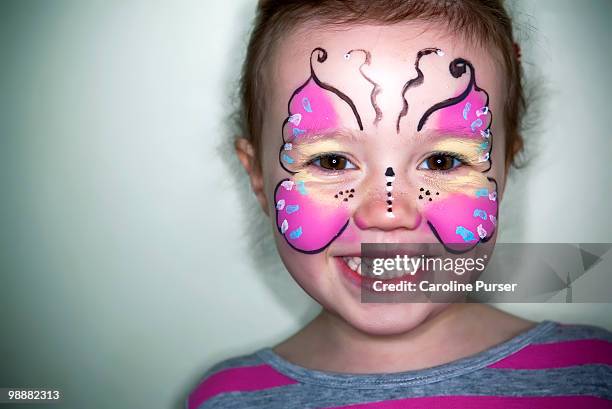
(563, 345)
(230, 382)
(574, 332)
(557, 360)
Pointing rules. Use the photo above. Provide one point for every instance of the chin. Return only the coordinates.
(388, 319)
(335, 284)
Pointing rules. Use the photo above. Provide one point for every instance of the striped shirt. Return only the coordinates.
(551, 365)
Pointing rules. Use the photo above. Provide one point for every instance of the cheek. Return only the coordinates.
(464, 217)
(307, 219)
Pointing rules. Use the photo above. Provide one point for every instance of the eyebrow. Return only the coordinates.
(339, 134)
(455, 133)
(350, 135)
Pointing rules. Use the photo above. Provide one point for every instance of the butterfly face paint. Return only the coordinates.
(307, 215)
(459, 209)
(467, 213)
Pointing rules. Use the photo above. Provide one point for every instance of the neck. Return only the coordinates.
(330, 343)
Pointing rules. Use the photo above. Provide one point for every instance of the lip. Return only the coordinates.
(366, 283)
(385, 250)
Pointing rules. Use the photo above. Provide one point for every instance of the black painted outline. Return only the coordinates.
(321, 57)
(414, 82)
(457, 68)
(376, 88)
(455, 251)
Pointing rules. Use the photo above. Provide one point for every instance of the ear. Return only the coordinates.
(246, 155)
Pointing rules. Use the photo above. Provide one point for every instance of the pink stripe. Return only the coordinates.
(248, 378)
(559, 355)
(488, 402)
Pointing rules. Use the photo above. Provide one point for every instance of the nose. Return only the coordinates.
(388, 204)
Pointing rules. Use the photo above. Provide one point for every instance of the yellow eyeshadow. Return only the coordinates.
(463, 183)
(314, 148)
(319, 189)
(469, 149)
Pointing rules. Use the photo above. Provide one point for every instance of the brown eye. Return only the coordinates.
(333, 162)
(441, 162)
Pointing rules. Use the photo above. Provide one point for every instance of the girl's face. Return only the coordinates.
(378, 134)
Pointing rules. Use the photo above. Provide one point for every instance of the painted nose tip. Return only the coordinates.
(387, 212)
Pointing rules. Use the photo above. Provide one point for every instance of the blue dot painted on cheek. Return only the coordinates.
(482, 192)
(306, 104)
(298, 132)
(295, 234)
(292, 208)
(301, 187)
(466, 110)
(480, 213)
(465, 234)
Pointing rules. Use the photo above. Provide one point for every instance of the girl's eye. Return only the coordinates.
(441, 161)
(333, 162)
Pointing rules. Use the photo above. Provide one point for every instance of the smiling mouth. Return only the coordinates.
(362, 269)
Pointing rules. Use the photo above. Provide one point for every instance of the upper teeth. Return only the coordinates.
(354, 263)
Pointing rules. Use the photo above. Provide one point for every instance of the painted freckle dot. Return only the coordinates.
(351, 195)
(388, 183)
(437, 193)
(421, 189)
(352, 190)
(341, 193)
(346, 199)
(420, 196)
(389, 202)
(389, 194)
(427, 193)
(389, 210)
(430, 199)
(336, 196)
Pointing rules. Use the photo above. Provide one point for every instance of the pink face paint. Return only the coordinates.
(468, 117)
(308, 220)
(462, 218)
(309, 225)
(311, 111)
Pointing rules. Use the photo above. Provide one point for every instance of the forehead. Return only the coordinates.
(391, 52)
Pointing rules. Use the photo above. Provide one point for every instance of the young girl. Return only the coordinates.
(392, 122)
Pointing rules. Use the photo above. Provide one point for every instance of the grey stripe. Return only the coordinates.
(409, 378)
(467, 376)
